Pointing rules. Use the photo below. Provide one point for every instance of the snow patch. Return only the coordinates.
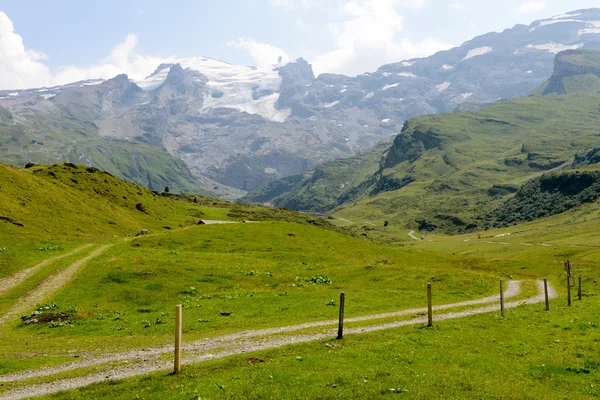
(93, 83)
(335, 103)
(443, 86)
(563, 16)
(270, 171)
(14, 94)
(554, 47)
(447, 67)
(47, 96)
(407, 63)
(477, 52)
(595, 24)
(154, 81)
(393, 85)
(589, 31)
(386, 74)
(368, 96)
(385, 121)
(530, 72)
(465, 96)
(407, 74)
(343, 90)
(237, 84)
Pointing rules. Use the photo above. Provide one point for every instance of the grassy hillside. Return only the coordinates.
(447, 172)
(54, 139)
(326, 187)
(286, 269)
(47, 209)
(464, 165)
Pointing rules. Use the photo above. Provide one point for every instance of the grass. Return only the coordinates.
(445, 172)
(288, 269)
(529, 354)
(61, 139)
(229, 282)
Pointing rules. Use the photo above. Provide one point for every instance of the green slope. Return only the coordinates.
(448, 171)
(323, 189)
(53, 139)
(45, 208)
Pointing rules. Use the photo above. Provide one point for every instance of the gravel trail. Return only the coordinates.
(18, 278)
(244, 342)
(49, 287)
(513, 289)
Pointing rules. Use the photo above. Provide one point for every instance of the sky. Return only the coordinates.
(45, 43)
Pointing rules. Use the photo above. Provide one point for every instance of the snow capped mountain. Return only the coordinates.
(243, 127)
(247, 89)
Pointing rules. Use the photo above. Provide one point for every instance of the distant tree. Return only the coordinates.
(167, 190)
(386, 223)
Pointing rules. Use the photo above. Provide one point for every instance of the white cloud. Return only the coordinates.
(264, 54)
(301, 24)
(23, 68)
(531, 6)
(458, 6)
(19, 67)
(368, 38)
(294, 3)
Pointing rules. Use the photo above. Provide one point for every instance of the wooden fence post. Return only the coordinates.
(579, 288)
(429, 306)
(546, 294)
(501, 299)
(341, 323)
(178, 332)
(568, 267)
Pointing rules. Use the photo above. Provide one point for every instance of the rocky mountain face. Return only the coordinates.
(452, 171)
(238, 128)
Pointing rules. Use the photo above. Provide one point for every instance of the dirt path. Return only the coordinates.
(17, 279)
(49, 287)
(513, 289)
(532, 176)
(412, 235)
(240, 343)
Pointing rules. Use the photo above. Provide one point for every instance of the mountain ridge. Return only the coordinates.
(238, 128)
(442, 171)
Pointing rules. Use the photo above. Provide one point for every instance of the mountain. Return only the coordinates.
(447, 171)
(228, 129)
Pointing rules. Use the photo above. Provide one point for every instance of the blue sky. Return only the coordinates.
(53, 42)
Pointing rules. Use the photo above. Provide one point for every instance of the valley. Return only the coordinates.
(427, 230)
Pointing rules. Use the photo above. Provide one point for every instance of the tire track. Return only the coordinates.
(246, 345)
(18, 278)
(49, 286)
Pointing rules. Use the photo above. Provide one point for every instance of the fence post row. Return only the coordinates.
(341, 323)
(429, 306)
(178, 331)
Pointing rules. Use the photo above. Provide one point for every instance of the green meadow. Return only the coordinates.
(283, 269)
